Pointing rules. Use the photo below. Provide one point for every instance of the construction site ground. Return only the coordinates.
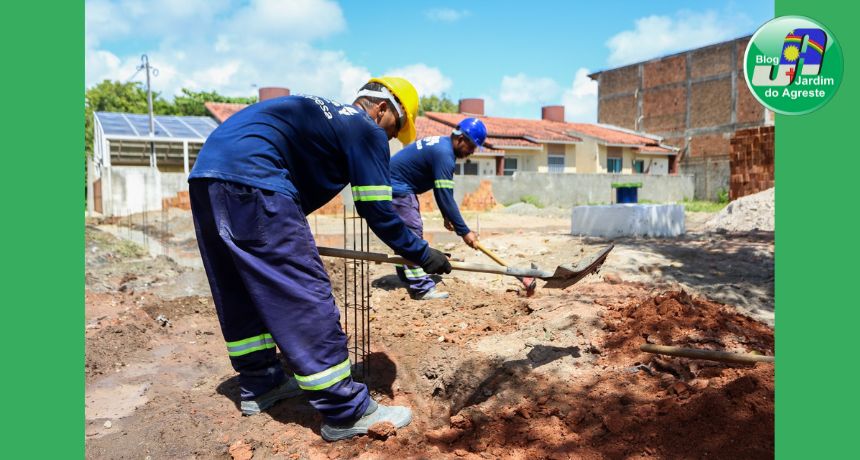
(487, 372)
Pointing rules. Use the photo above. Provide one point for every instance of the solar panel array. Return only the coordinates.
(166, 127)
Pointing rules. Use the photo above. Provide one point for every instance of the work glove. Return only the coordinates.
(436, 263)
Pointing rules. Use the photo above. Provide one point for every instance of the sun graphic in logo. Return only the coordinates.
(791, 53)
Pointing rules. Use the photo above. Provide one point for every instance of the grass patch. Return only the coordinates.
(703, 206)
(530, 199)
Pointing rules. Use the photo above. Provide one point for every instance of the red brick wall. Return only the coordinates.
(751, 158)
(664, 109)
(711, 61)
(711, 103)
(664, 71)
(623, 80)
(619, 111)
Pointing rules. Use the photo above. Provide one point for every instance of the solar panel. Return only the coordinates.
(176, 127)
(113, 123)
(166, 126)
(203, 125)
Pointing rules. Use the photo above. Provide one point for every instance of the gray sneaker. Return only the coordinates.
(398, 416)
(288, 389)
(432, 294)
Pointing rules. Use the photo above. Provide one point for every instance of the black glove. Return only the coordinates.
(437, 263)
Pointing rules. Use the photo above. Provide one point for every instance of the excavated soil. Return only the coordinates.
(487, 374)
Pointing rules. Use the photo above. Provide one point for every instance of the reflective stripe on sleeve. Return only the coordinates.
(444, 183)
(371, 193)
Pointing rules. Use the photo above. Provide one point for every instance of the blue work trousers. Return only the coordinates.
(270, 288)
(417, 281)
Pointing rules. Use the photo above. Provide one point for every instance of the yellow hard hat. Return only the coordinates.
(408, 97)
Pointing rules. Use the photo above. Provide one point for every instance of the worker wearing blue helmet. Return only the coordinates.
(429, 164)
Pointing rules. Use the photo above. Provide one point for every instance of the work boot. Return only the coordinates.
(288, 389)
(432, 294)
(398, 416)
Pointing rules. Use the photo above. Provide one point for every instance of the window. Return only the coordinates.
(470, 168)
(639, 166)
(613, 159)
(510, 166)
(458, 169)
(556, 163)
(555, 158)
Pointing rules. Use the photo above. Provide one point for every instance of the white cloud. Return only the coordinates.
(654, 35)
(523, 89)
(580, 99)
(522, 96)
(446, 14)
(427, 80)
(302, 19)
(203, 45)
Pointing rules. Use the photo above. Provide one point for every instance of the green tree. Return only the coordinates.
(436, 104)
(192, 102)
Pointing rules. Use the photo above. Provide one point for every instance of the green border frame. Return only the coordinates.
(816, 228)
(816, 322)
(43, 232)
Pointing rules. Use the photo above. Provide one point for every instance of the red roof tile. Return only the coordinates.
(427, 127)
(221, 111)
(610, 135)
(540, 130)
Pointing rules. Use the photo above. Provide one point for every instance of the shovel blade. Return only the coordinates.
(567, 275)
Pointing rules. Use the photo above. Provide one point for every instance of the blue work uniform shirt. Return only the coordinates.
(425, 164)
(309, 148)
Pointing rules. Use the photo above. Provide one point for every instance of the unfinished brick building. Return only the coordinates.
(695, 100)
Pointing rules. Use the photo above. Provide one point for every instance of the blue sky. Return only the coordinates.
(518, 56)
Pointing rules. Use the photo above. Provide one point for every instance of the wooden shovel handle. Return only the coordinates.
(491, 254)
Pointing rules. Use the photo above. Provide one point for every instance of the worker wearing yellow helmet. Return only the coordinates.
(256, 178)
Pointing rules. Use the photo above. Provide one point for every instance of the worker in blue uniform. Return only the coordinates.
(256, 178)
(429, 164)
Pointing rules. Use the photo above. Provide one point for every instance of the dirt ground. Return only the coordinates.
(488, 374)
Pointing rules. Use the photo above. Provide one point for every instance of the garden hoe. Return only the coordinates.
(565, 275)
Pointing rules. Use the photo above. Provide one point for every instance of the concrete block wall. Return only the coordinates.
(695, 100)
(752, 161)
(567, 190)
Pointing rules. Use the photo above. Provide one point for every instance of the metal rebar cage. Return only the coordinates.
(356, 295)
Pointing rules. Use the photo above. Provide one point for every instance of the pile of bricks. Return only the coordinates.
(751, 161)
(181, 201)
(334, 206)
(481, 199)
(427, 201)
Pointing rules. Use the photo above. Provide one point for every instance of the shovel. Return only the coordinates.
(528, 282)
(565, 275)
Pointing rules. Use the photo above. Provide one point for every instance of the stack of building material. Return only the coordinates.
(181, 201)
(752, 153)
(481, 199)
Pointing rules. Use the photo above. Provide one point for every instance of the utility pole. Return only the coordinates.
(144, 65)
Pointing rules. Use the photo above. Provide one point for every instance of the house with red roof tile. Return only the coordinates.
(551, 145)
(546, 145)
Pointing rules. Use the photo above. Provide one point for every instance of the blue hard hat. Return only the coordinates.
(474, 129)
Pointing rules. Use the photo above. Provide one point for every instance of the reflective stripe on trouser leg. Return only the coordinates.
(259, 370)
(250, 345)
(290, 290)
(407, 208)
(324, 379)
